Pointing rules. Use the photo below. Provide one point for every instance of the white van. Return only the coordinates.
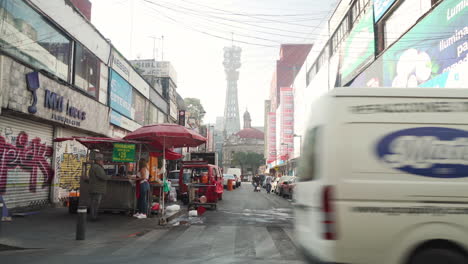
(385, 177)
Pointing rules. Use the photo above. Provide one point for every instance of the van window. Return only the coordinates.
(309, 162)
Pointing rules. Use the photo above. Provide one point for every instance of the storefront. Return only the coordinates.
(34, 110)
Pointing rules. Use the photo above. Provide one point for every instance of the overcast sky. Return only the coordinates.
(195, 32)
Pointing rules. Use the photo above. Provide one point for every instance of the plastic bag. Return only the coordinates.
(192, 213)
(173, 195)
(166, 187)
(174, 207)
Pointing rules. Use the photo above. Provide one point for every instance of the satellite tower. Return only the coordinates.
(231, 109)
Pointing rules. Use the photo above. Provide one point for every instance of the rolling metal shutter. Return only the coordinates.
(25, 162)
(69, 156)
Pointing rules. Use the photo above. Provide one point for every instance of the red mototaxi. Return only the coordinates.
(191, 172)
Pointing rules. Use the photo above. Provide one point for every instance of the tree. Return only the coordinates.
(195, 108)
(240, 159)
(248, 159)
(255, 160)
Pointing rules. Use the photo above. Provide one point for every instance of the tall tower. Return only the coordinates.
(231, 109)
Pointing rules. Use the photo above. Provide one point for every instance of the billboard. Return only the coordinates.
(381, 7)
(434, 53)
(286, 122)
(359, 47)
(121, 94)
(271, 137)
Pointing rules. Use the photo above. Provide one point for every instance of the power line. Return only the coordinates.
(216, 36)
(227, 19)
(247, 15)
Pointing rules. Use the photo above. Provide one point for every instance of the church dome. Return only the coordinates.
(250, 133)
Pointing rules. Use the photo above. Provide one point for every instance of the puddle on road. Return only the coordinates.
(267, 216)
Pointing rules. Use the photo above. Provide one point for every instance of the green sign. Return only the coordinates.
(359, 47)
(123, 152)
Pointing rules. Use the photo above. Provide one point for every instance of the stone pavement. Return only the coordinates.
(55, 228)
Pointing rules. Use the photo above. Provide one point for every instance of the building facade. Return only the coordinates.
(280, 116)
(380, 43)
(57, 80)
(247, 140)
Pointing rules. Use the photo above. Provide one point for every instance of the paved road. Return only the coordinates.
(248, 227)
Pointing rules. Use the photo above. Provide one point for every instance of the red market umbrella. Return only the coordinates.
(167, 136)
(169, 154)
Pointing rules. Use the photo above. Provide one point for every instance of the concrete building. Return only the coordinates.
(280, 123)
(380, 43)
(163, 76)
(46, 92)
(247, 140)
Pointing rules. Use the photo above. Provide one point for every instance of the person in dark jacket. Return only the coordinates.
(97, 184)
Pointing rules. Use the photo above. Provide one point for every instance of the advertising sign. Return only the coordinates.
(287, 122)
(121, 95)
(123, 152)
(123, 122)
(359, 47)
(271, 137)
(437, 152)
(381, 7)
(434, 53)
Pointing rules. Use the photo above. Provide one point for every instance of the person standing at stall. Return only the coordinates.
(97, 184)
(142, 189)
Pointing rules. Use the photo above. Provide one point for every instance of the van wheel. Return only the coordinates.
(437, 256)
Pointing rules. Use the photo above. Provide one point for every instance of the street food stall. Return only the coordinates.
(166, 136)
(120, 157)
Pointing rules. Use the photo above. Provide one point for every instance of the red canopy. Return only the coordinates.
(167, 135)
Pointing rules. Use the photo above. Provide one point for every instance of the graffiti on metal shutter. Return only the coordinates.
(28, 155)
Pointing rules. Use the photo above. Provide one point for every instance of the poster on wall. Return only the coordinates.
(381, 7)
(434, 53)
(359, 47)
(121, 95)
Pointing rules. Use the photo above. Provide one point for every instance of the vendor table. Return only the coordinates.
(120, 195)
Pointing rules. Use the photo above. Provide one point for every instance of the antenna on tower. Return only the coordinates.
(232, 39)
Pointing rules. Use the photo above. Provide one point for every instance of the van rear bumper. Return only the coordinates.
(312, 259)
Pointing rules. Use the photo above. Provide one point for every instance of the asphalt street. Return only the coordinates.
(248, 227)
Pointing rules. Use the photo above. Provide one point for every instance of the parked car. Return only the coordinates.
(287, 188)
(229, 177)
(280, 183)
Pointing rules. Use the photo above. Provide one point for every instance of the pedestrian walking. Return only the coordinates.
(142, 186)
(268, 180)
(97, 184)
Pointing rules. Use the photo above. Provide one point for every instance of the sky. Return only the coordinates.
(195, 33)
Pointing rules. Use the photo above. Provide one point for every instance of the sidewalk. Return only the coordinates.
(55, 228)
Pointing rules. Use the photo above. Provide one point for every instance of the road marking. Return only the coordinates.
(264, 245)
(140, 244)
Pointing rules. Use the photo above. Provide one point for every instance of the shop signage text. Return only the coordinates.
(55, 102)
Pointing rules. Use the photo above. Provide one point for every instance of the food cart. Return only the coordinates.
(166, 136)
(120, 157)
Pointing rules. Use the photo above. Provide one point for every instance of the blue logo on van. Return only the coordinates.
(427, 151)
